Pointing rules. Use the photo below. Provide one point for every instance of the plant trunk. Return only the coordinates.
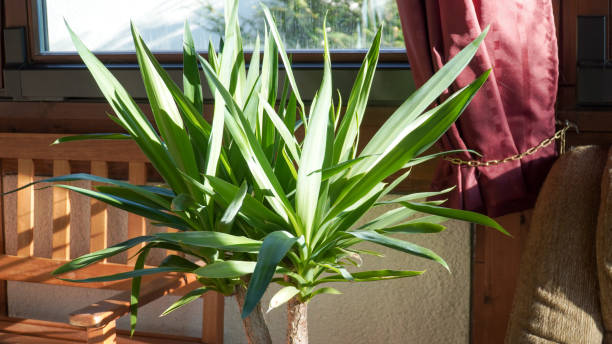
(297, 322)
(255, 325)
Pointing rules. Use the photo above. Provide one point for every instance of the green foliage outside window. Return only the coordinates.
(351, 24)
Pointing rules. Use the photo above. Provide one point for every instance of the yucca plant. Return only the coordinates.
(251, 200)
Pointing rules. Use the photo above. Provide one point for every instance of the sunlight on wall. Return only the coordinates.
(432, 308)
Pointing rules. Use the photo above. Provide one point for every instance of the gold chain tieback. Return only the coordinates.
(559, 135)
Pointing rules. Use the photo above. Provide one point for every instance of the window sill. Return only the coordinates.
(392, 84)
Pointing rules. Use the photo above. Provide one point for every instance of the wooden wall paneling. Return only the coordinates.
(61, 214)
(567, 67)
(15, 13)
(589, 138)
(2, 45)
(568, 11)
(495, 270)
(61, 117)
(556, 4)
(17, 145)
(594, 8)
(3, 288)
(25, 208)
(98, 237)
(598, 121)
(136, 224)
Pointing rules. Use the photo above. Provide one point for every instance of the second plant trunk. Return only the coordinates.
(297, 322)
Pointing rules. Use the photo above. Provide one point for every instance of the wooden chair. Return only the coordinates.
(43, 229)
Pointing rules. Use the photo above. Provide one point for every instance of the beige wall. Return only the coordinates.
(432, 308)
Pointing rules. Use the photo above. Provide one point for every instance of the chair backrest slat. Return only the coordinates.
(61, 214)
(43, 218)
(80, 215)
(25, 208)
(136, 224)
(116, 231)
(99, 213)
(9, 203)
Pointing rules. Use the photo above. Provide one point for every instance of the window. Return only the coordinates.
(104, 24)
(53, 71)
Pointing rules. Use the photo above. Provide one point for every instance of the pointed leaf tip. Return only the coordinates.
(275, 246)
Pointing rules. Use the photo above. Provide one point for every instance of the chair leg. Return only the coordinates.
(212, 320)
(103, 335)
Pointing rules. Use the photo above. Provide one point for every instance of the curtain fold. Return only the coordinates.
(514, 110)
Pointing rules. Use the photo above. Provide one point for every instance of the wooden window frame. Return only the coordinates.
(308, 56)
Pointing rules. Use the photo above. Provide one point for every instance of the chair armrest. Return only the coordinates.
(101, 313)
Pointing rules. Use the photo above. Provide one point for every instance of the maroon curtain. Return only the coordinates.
(514, 110)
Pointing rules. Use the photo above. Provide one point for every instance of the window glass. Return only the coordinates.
(104, 24)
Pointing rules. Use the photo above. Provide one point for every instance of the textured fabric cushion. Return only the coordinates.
(557, 298)
(604, 247)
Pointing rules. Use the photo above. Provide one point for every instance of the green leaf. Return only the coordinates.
(198, 129)
(128, 205)
(227, 220)
(282, 296)
(253, 73)
(336, 169)
(250, 206)
(182, 202)
(399, 245)
(348, 132)
(125, 193)
(92, 137)
(422, 159)
(253, 154)
(268, 88)
(415, 228)
(315, 151)
(275, 246)
(417, 137)
(128, 274)
(191, 73)
(388, 219)
(97, 256)
(429, 219)
(178, 262)
(151, 194)
(187, 298)
(135, 292)
(226, 269)
(350, 216)
(286, 62)
(165, 111)
(419, 100)
(342, 271)
(325, 290)
(456, 214)
(221, 241)
(129, 116)
(416, 196)
(284, 132)
(228, 66)
(369, 276)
